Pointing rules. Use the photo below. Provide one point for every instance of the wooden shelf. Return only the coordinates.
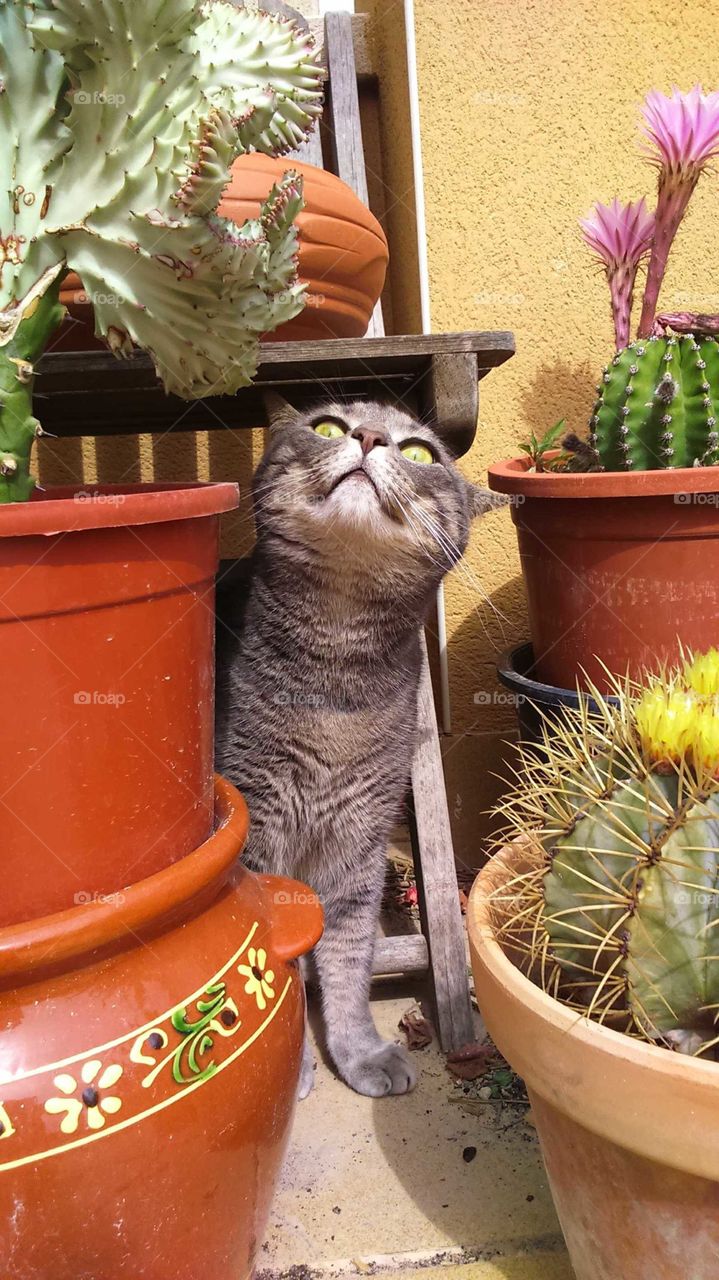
(93, 393)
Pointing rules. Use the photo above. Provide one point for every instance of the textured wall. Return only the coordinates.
(529, 114)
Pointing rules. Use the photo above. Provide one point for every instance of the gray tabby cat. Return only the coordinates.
(359, 515)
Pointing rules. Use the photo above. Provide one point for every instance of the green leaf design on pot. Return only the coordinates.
(198, 1037)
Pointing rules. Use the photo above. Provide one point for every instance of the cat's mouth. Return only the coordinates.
(358, 475)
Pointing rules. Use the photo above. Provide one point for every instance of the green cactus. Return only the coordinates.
(618, 911)
(119, 125)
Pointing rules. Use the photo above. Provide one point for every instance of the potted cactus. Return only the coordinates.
(618, 530)
(593, 935)
(116, 142)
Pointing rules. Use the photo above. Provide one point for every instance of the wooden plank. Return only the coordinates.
(436, 877)
(492, 347)
(92, 393)
(451, 396)
(342, 113)
(406, 953)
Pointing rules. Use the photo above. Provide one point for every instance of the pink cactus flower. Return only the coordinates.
(620, 235)
(682, 132)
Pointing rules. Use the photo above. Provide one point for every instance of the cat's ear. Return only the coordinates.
(278, 411)
(483, 500)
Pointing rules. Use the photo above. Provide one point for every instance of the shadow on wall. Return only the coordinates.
(477, 756)
(559, 390)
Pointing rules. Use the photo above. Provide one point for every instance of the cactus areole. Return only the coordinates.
(117, 143)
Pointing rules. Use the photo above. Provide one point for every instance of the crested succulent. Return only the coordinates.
(119, 125)
(657, 405)
(617, 910)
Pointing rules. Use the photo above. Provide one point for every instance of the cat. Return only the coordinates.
(359, 514)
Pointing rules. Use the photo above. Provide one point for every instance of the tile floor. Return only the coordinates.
(375, 1186)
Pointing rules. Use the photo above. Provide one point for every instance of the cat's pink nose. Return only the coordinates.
(369, 437)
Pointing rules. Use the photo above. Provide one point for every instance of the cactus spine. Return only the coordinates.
(618, 911)
(658, 406)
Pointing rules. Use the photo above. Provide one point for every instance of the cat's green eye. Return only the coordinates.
(329, 430)
(416, 452)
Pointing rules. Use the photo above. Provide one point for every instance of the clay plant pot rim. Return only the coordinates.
(68, 508)
(28, 948)
(513, 476)
(656, 1103)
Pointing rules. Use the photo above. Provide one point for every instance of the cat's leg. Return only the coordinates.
(343, 957)
(307, 1070)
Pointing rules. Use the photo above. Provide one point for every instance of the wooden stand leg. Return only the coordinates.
(436, 877)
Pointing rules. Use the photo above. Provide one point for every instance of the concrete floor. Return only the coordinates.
(373, 1186)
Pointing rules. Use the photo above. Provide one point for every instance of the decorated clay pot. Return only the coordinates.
(150, 1046)
(343, 255)
(107, 644)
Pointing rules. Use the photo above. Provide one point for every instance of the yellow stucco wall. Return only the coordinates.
(528, 114)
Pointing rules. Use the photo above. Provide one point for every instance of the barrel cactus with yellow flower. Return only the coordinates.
(617, 911)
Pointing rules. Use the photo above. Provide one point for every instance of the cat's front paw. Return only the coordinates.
(382, 1071)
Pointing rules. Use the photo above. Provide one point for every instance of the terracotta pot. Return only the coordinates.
(629, 1132)
(619, 568)
(343, 255)
(150, 1050)
(107, 649)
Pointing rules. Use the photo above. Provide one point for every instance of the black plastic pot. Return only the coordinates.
(534, 701)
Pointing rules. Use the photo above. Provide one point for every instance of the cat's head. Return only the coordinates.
(365, 480)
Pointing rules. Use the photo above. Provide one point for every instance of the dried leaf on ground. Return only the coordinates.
(471, 1061)
(416, 1028)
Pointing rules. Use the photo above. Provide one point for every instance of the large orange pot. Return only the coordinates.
(150, 1048)
(620, 568)
(629, 1132)
(343, 255)
(107, 653)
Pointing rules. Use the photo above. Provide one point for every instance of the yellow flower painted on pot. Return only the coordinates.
(259, 979)
(91, 1100)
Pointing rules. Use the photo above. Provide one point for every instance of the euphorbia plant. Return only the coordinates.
(118, 127)
(658, 401)
(617, 913)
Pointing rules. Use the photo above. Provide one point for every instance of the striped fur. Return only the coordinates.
(318, 681)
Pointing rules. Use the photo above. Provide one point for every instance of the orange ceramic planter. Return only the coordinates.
(629, 1132)
(343, 255)
(620, 568)
(150, 1048)
(107, 649)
